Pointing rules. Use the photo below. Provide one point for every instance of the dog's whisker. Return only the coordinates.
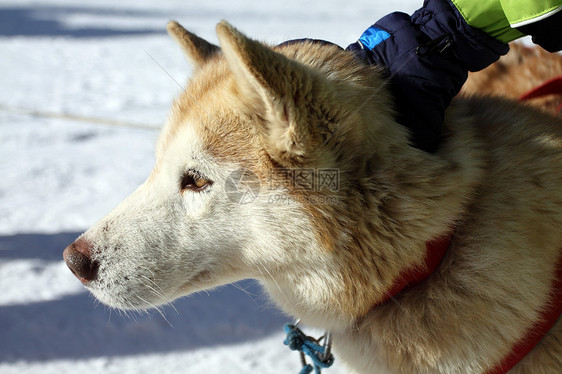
(279, 288)
(252, 296)
(159, 295)
(165, 70)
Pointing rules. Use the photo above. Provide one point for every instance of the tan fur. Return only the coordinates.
(198, 50)
(496, 182)
(521, 70)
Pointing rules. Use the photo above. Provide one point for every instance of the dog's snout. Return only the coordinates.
(78, 259)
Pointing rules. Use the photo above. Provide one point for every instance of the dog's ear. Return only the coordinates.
(197, 50)
(283, 85)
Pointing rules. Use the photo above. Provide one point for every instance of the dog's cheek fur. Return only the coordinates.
(152, 253)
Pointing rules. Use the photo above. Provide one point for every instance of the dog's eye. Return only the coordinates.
(193, 181)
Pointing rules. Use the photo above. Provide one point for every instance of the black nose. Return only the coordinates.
(78, 259)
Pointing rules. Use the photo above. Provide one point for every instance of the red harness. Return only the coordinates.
(436, 250)
(550, 87)
(547, 318)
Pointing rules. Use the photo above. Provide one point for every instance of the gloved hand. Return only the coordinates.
(547, 32)
(427, 56)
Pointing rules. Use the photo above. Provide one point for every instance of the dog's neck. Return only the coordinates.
(379, 228)
(411, 277)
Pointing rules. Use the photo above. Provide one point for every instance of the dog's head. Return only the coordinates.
(254, 173)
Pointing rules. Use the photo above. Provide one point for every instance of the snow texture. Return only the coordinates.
(84, 87)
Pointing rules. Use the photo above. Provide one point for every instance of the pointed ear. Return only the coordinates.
(197, 50)
(285, 87)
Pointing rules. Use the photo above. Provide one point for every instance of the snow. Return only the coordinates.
(85, 85)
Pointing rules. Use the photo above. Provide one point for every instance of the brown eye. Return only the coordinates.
(193, 181)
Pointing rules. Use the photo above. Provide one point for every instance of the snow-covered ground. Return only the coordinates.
(84, 87)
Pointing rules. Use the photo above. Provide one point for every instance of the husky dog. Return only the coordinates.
(285, 164)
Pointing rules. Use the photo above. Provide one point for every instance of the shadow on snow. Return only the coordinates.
(50, 21)
(77, 326)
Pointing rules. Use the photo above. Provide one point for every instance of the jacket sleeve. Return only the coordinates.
(507, 20)
(524, 12)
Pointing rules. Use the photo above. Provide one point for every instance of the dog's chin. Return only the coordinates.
(127, 300)
(128, 296)
(199, 282)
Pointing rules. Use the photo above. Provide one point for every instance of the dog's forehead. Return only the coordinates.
(210, 115)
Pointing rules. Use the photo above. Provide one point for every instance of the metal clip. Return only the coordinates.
(327, 356)
(319, 350)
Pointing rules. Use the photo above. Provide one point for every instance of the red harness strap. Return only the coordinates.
(550, 87)
(436, 250)
(547, 318)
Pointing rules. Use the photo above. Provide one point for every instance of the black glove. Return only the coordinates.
(427, 56)
(547, 32)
